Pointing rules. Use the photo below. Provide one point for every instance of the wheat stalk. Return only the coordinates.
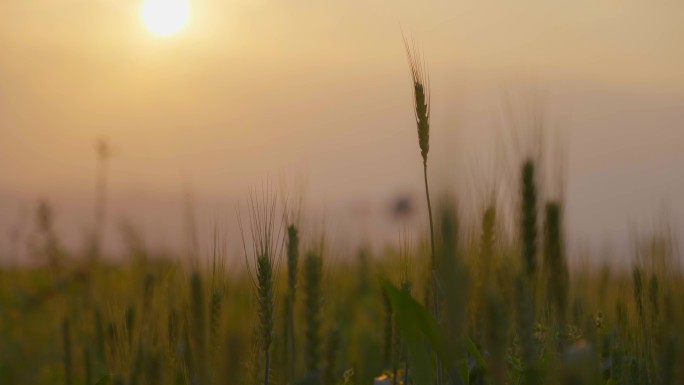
(313, 277)
(267, 244)
(292, 269)
(529, 219)
(331, 356)
(421, 104)
(557, 275)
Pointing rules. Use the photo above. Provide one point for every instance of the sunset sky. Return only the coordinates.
(251, 90)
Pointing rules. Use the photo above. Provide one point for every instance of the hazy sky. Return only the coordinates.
(319, 90)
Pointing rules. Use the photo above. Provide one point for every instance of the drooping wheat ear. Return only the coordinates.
(529, 219)
(557, 273)
(312, 289)
(68, 365)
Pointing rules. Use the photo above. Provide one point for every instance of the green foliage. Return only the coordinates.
(419, 331)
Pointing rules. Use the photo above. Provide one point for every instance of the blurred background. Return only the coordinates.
(315, 98)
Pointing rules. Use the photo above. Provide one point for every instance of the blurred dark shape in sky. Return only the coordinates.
(402, 207)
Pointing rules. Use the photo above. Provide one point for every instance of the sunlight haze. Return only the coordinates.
(165, 17)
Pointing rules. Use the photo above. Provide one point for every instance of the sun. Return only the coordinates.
(165, 17)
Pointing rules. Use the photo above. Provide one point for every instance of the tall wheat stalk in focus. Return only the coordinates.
(421, 104)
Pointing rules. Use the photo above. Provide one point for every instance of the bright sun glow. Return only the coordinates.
(165, 17)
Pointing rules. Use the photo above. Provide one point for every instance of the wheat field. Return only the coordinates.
(482, 303)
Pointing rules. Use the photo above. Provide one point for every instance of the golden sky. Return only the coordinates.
(252, 89)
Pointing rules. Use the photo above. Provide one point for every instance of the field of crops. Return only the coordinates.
(477, 304)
